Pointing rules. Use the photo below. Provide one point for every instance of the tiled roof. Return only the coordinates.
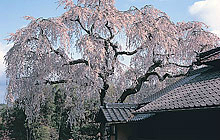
(140, 117)
(203, 90)
(168, 88)
(118, 112)
(176, 84)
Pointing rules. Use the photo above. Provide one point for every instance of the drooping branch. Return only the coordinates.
(57, 52)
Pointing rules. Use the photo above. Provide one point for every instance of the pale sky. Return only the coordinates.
(12, 11)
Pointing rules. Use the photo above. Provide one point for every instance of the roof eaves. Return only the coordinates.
(178, 109)
(140, 117)
(117, 112)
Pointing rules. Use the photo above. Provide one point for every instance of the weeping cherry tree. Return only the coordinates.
(82, 51)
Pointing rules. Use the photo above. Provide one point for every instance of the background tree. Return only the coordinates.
(13, 123)
(44, 53)
(51, 123)
(4, 133)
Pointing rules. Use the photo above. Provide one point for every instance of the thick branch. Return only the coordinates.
(154, 66)
(140, 81)
(104, 89)
(144, 78)
(167, 75)
(110, 31)
(78, 20)
(55, 82)
(31, 38)
(78, 61)
(182, 66)
(57, 52)
(114, 47)
(128, 53)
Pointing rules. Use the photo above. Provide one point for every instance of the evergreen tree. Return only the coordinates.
(13, 122)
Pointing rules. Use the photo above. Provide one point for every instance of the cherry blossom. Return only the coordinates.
(101, 35)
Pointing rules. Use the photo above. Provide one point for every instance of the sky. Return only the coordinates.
(13, 11)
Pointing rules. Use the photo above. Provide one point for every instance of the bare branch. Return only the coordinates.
(154, 66)
(103, 89)
(145, 77)
(55, 82)
(78, 61)
(140, 81)
(182, 66)
(167, 75)
(32, 38)
(110, 31)
(163, 17)
(78, 20)
(128, 53)
(92, 27)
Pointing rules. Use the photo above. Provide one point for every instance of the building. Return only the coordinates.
(188, 109)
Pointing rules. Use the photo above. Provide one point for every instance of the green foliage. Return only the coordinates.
(2, 126)
(2, 109)
(89, 129)
(41, 133)
(52, 123)
(85, 129)
(13, 121)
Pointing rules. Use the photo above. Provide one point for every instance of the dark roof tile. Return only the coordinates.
(140, 117)
(203, 90)
(118, 112)
(173, 86)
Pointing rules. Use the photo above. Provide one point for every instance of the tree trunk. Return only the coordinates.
(102, 102)
(102, 131)
(103, 93)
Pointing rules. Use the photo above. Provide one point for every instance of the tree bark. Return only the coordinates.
(78, 61)
(102, 131)
(103, 93)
